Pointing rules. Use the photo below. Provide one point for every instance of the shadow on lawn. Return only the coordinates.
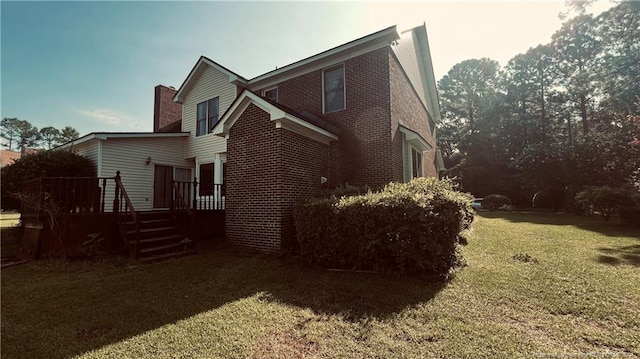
(110, 308)
(620, 255)
(611, 228)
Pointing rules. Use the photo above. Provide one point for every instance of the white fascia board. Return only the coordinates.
(204, 61)
(415, 139)
(102, 136)
(78, 141)
(431, 90)
(323, 59)
(107, 135)
(305, 129)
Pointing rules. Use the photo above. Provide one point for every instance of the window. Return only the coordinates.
(416, 163)
(208, 116)
(271, 94)
(333, 89)
(205, 187)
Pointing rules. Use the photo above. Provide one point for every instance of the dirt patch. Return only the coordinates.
(285, 345)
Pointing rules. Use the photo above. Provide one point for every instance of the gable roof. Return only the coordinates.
(339, 53)
(282, 117)
(413, 53)
(350, 49)
(202, 63)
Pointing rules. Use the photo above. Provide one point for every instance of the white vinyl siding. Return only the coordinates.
(129, 156)
(209, 84)
(91, 151)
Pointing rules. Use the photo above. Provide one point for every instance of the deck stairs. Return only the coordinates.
(159, 237)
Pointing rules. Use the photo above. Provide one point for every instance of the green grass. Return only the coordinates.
(536, 285)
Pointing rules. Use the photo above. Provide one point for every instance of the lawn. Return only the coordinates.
(536, 285)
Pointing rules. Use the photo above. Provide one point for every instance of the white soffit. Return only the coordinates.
(415, 139)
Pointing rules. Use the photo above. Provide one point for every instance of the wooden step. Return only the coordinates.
(153, 230)
(177, 238)
(160, 257)
(160, 248)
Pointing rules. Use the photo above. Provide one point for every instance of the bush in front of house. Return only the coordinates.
(56, 163)
(414, 227)
(494, 202)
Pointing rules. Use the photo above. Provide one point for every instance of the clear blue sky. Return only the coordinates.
(93, 65)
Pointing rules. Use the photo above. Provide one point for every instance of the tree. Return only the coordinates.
(56, 163)
(10, 131)
(28, 135)
(68, 134)
(578, 52)
(619, 30)
(466, 94)
(50, 136)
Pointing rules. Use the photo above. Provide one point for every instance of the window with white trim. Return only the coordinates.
(416, 163)
(271, 93)
(208, 114)
(333, 94)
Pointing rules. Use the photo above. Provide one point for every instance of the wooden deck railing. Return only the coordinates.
(81, 195)
(126, 215)
(210, 198)
(181, 201)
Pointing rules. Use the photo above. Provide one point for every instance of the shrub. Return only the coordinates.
(607, 201)
(551, 198)
(58, 163)
(494, 202)
(404, 228)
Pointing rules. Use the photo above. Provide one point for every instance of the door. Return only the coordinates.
(162, 186)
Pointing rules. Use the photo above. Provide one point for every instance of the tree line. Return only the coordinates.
(21, 134)
(563, 115)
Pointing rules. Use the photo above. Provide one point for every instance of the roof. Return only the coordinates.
(200, 64)
(107, 135)
(282, 116)
(364, 44)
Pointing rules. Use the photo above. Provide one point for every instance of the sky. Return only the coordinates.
(94, 65)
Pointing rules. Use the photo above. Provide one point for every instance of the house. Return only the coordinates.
(362, 113)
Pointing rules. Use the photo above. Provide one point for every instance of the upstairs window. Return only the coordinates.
(208, 115)
(271, 94)
(333, 89)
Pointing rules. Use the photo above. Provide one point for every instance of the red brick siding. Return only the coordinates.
(407, 107)
(364, 147)
(165, 111)
(304, 161)
(268, 170)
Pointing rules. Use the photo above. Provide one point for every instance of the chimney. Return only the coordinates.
(167, 115)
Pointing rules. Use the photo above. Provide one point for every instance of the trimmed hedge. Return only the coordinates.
(414, 227)
(607, 201)
(494, 202)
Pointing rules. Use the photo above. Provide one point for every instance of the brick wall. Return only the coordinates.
(364, 147)
(166, 113)
(268, 170)
(407, 107)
